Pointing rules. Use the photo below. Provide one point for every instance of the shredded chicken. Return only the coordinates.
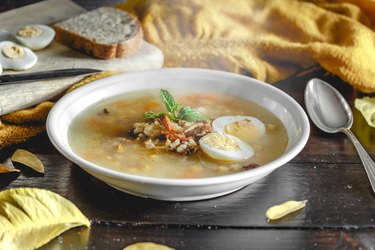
(181, 137)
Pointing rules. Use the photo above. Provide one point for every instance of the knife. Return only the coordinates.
(45, 75)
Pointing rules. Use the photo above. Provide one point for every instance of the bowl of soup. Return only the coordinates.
(178, 133)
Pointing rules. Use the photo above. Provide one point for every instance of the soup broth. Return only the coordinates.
(101, 135)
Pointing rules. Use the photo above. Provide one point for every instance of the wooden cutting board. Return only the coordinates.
(57, 56)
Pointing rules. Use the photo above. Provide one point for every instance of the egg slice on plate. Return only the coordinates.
(1, 69)
(224, 147)
(35, 36)
(16, 57)
(247, 128)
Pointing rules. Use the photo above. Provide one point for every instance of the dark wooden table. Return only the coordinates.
(340, 213)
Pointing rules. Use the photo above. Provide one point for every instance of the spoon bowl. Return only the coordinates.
(331, 113)
(327, 107)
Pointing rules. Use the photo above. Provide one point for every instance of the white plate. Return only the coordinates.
(267, 96)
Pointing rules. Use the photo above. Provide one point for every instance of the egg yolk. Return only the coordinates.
(222, 142)
(245, 130)
(13, 52)
(29, 31)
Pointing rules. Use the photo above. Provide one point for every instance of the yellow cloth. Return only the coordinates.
(270, 39)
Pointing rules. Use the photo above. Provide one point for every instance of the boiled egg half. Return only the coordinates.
(225, 147)
(35, 36)
(246, 128)
(16, 57)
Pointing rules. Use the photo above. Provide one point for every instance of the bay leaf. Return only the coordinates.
(147, 246)
(366, 106)
(4, 169)
(7, 174)
(279, 211)
(28, 159)
(31, 217)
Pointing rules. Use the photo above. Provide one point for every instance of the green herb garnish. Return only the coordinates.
(189, 114)
(174, 112)
(169, 102)
(152, 115)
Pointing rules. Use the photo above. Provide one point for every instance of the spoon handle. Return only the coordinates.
(368, 163)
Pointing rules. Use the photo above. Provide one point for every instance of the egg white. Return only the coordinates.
(39, 42)
(218, 125)
(1, 69)
(243, 153)
(28, 61)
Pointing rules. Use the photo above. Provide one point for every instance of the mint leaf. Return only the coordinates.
(169, 102)
(174, 111)
(152, 115)
(189, 114)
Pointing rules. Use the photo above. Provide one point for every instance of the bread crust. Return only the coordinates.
(93, 48)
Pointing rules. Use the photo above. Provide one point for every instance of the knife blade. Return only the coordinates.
(45, 75)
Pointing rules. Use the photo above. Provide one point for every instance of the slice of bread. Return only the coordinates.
(104, 33)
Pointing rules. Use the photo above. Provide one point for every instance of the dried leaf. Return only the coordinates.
(31, 217)
(279, 211)
(7, 174)
(6, 169)
(28, 159)
(366, 106)
(147, 246)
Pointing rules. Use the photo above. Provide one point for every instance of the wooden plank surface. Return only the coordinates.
(338, 195)
(117, 237)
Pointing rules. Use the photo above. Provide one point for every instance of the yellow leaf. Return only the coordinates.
(279, 211)
(147, 246)
(28, 159)
(6, 169)
(7, 174)
(366, 106)
(31, 217)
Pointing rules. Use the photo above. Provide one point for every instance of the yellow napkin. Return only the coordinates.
(270, 39)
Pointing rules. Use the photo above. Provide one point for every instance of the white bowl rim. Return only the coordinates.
(214, 180)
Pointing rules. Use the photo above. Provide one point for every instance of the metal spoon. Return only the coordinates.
(331, 113)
